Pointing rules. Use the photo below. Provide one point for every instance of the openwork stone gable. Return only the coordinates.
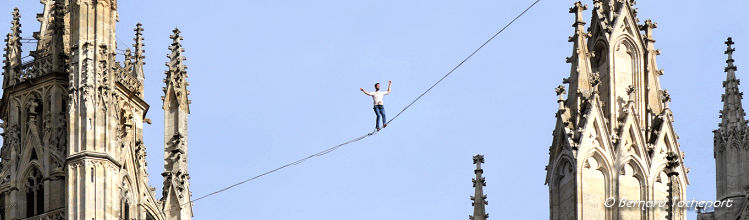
(614, 127)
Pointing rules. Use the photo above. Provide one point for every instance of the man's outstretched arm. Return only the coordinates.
(389, 83)
(365, 92)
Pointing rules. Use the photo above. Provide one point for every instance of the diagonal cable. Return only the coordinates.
(326, 151)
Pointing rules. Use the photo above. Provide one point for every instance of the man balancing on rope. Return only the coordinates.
(379, 109)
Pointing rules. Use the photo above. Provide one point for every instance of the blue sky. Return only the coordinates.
(273, 81)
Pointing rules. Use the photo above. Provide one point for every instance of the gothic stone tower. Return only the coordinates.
(73, 122)
(731, 149)
(614, 128)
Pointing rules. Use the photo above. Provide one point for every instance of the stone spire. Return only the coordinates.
(733, 113)
(139, 52)
(176, 194)
(655, 105)
(479, 198)
(12, 50)
(582, 80)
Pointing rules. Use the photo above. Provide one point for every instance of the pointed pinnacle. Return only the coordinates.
(16, 24)
(16, 14)
(729, 51)
(177, 70)
(138, 38)
(578, 10)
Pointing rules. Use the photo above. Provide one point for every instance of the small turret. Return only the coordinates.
(479, 198)
(176, 194)
(582, 80)
(139, 53)
(12, 51)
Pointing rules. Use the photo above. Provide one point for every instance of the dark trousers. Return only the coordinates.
(379, 111)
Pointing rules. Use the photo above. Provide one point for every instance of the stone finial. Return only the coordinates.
(648, 28)
(665, 97)
(478, 159)
(579, 24)
(578, 9)
(729, 41)
(729, 51)
(140, 56)
(560, 91)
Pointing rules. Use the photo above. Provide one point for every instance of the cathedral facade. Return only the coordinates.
(614, 129)
(72, 119)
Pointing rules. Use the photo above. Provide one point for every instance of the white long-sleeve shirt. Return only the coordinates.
(377, 96)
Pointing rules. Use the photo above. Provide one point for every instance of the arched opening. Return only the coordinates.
(660, 193)
(593, 188)
(125, 201)
(624, 74)
(732, 177)
(34, 193)
(678, 210)
(564, 192)
(630, 187)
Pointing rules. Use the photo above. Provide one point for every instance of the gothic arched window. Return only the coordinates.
(34, 194)
(624, 69)
(125, 202)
